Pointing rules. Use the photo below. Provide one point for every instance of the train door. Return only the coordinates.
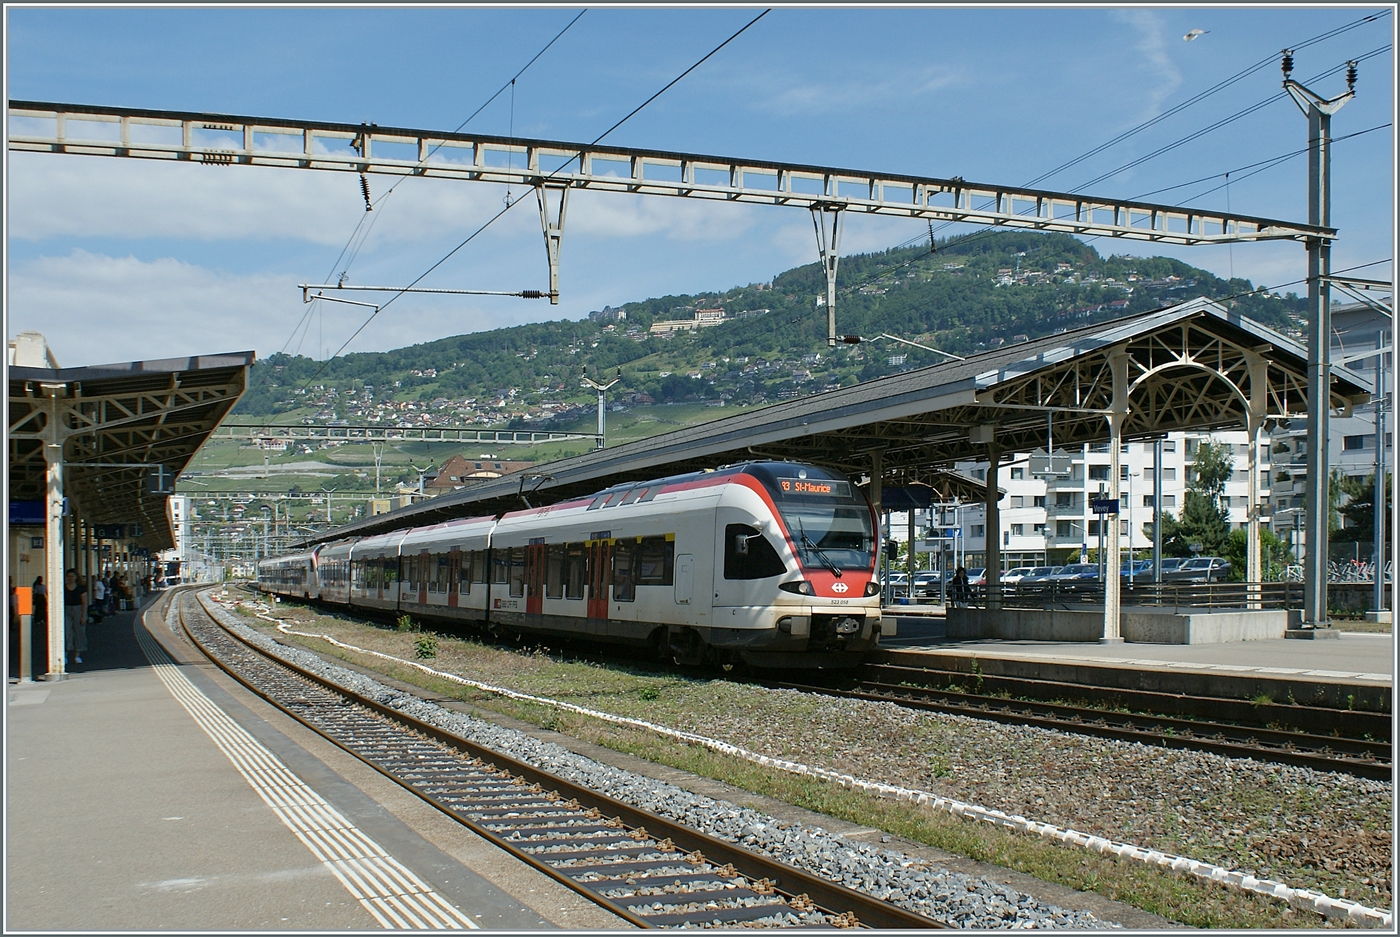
(454, 575)
(685, 578)
(423, 577)
(376, 568)
(599, 577)
(534, 576)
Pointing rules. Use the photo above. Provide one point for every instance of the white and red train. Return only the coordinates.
(769, 562)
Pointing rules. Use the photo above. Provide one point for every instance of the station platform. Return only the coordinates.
(150, 791)
(1358, 663)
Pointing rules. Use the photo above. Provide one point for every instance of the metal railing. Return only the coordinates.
(1176, 595)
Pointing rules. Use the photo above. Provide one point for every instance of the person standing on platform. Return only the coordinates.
(99, 593)
(39, 627)
(74, 615)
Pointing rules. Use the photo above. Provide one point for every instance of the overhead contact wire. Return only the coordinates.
(511, 205)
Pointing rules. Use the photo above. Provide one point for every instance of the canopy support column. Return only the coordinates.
(54, 539)
(1112, 580)
(992, 529)
(1254, 425)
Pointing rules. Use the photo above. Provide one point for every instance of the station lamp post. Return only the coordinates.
(602, 390)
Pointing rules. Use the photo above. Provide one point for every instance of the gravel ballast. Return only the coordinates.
(955, 898)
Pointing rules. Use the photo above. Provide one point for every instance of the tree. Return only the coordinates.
(1358, 514)
(1274, 554)
(1212, 469)
(1201, 523)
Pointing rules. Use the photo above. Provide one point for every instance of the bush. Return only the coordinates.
(406, 624)
(426, 646)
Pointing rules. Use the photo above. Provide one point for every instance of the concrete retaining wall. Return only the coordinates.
(1138, 625)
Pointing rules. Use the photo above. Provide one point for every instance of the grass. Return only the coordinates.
(662, 697)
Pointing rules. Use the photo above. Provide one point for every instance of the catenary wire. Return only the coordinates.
(1196, 134)
(360, 225)
(1201, 96)
(511, 205)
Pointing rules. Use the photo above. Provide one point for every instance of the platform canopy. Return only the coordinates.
(1196, 366)
(116, 423)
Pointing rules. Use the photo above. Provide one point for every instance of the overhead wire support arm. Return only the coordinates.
(224, 140)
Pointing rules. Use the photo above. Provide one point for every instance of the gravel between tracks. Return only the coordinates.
(962, 900)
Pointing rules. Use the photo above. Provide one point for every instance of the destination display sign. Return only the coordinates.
(1104, 505)
(825, 487)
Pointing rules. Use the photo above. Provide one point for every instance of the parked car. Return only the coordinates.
(1200, 569)
(1170, 564)
(1075, 577)
(897, 583)
(1038, 579)
(1141, 571)
(927, 583)
(977, 576)
(1013, 576)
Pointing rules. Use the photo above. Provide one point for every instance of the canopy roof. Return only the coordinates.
(1195, 366)
(116, 422)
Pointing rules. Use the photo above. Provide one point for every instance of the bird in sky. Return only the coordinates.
(1195, 34)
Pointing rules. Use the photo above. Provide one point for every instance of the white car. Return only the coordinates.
(1013, 576)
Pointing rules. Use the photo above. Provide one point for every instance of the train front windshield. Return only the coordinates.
(829, 521)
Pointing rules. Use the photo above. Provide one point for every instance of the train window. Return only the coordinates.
(614, 499)
(444, 568)
(625, 571)
(575, 570)
(500, 566)
(632, 495)
(597, 502)
(410, 572)
(390, 569)
(464, 572)
(478, 566)
(649, 493)
(655, 562)
(517, 572)
(749, 555)
(554, 571)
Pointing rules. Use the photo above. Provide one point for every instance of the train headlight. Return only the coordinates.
(848, 625)
(872, 588)
(797, 587)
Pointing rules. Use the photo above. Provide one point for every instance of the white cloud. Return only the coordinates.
(1152, 57)
(102, 197)
(795, 96)
(96, 309)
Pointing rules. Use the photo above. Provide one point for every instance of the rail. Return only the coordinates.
(650, 871)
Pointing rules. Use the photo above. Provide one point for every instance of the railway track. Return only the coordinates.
(644, 868)
(1361, 757)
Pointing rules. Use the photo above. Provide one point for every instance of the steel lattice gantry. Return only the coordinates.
(91, 437)
(554, 168)
(223, 139)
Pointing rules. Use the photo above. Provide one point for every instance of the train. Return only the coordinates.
(765, 564)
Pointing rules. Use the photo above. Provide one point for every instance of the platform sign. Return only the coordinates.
(1055, 464)
(1104, 505)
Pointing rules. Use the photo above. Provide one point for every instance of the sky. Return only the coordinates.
(124, 259)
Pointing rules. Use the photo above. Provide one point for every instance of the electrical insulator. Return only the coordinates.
(1351, 76)
(364, 189)
(851, 339)
(531, 294)
(1287, 62)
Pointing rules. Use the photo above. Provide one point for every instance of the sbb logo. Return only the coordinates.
(839, 587)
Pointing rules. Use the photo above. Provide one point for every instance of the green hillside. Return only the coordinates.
(964, 297)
